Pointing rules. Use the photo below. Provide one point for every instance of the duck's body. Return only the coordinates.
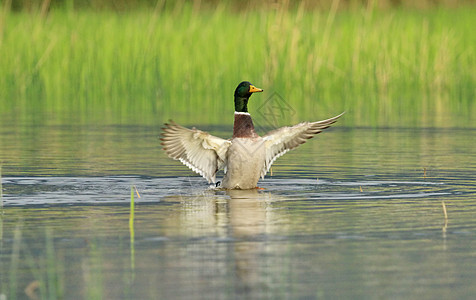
(246, 149)
(246, 156)
(239, 174)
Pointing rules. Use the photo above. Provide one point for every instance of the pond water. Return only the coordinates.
(354, 213)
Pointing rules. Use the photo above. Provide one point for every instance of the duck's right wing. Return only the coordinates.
(198, 150)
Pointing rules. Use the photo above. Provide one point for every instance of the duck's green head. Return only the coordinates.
(242, 95)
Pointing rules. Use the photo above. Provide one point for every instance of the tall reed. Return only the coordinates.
(392, 67)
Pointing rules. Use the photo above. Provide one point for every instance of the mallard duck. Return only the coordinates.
(246, 156)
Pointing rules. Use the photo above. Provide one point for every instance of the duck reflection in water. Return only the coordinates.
(233, 225)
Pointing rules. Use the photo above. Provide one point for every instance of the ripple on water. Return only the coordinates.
(94, 190)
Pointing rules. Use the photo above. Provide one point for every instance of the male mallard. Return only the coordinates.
(246, 156)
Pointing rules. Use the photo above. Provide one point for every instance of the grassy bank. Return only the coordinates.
(387, 68)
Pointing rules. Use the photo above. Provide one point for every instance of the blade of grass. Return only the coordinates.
(5, 10)
(131, 231)
(1, 194)
(445, 226)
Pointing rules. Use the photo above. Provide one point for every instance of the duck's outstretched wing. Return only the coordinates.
(280, 141)
(198, 150)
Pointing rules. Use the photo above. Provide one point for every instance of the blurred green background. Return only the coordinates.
(387, 63)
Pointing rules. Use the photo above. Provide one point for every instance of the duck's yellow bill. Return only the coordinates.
(254, 89)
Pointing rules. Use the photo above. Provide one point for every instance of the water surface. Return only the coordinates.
(354, 213)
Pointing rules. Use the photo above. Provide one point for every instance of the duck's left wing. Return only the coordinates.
(280, 141)
(198, 150)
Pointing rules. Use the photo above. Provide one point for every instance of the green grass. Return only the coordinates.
(398, 67)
